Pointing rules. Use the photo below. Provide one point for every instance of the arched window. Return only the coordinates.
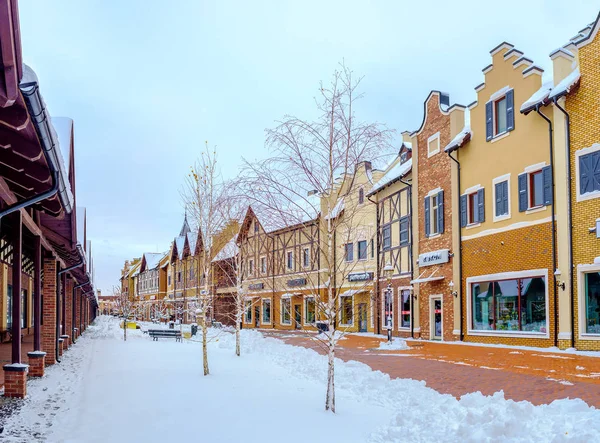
(361, 196)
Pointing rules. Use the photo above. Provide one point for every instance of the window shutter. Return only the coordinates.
(505, 196)
(489, 121)
(480, 206)
(595, 170)
(499, 203)
(547, 178)
(440, 220)
(427, 227)
(463, 211)
(522, 192)
(585, 181)
(510, 110)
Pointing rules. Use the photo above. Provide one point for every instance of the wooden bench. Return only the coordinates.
(165, 333)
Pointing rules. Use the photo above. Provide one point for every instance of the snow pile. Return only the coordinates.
(538, 97)
(565, 85)
(396, 345)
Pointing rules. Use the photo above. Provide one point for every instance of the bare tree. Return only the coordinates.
(202, 195)
(126, 306)
(319, 158)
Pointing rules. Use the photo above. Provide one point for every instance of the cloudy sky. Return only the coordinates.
(148, 81)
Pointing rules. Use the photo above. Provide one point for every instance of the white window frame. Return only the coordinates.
(590, 195)
(399, 297)
(531, 170)
(346, 252)
(340, 308)
(304, 311)
(281, 300)
(262, 311)
(366, 250)
(383, 291)
(581, 271)
(501, 179)
(507, 276)
(263, 257)
(287, 260)
(304, 251)
(432, 299)
(433, 220)
(495, 116)
(467, 193)
(434, 137)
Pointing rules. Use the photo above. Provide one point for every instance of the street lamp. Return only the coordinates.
(388, 271)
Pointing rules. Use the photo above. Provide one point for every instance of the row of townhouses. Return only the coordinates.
(47, 296)
(484, 228)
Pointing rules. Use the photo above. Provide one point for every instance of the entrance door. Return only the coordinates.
(362, 317)
(298, 316)
(257, 316)
(436, 318)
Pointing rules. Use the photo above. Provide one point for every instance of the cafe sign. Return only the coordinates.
(360, 276)
(256, 286)
(297, 282)
(434, 258)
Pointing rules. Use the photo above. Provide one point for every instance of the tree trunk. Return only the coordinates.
(125, 329)
(330, 399)
(237, 337)
(204, 343)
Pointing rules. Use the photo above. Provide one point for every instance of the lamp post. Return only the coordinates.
(388, 271)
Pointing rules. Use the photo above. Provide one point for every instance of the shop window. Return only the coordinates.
(347, 307)
(286, 309)
(405, 307)
(362, 250)
(517, 305)
(349, 252)
(248, 311)
(309, 310)
(266, 310)
(387, 237)
(592, 303)
(535, 189)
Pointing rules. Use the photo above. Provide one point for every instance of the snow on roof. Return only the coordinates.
(461, 138)
(64, 130)
(179, 242)
(62, 166)
(564, 86)
(152, 259)
(499, 93)
(337, 209)
(230, 250)
(80, 214)
(301, 210)
(538, 97)
(394, 173)
(192, 237)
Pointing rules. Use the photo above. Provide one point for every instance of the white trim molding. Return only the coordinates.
(432, 299)
(435, 136)
(581, 271)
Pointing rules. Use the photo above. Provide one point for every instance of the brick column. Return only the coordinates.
(49, 311)
(69, 313)
(37, 361)
(15, 380)
(61, 346)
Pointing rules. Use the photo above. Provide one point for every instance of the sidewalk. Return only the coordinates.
(537, 376)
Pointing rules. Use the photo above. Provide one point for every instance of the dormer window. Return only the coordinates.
(499, 113)
(255, 226)
(403, 157)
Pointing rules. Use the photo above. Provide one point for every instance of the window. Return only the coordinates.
(403, 157)
(286, 309)
(349, 252)
(434, 213)
(10, 307)
(309, 310)
(266, 310)
(472, 208)
(248, 311)
(510, 305)
(263, 265)
(169, 279)
(592, 303)
(251, 267)
(306, 257)
(290, 260)
(588, 177)
(404, 231)
(179, 276)
(24, 317)
(433, 144)
(501, 199)
(405, 308)
(255, 226)
(191, 273)
(535, 189)
(372, 249)
(387, 237)
(361, 196)
(362, 250)
(347, 310)
(499, 114)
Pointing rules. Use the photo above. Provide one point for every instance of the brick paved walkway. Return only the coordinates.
(457, 369)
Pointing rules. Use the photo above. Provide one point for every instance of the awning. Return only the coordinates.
(290, 295)
(351, 292)
(431, 277)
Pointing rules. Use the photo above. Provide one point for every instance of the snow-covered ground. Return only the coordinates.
(107, 390)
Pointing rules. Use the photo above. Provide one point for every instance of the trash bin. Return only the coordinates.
(322, 326)
(194, 329)
(171, 325)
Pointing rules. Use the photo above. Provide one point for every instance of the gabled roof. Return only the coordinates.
(394, 172)
(150, 260)
(459, 140)
(229, 250)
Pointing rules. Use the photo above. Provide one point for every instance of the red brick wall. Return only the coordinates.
(69, 309)
(49, 311)
(435, 172)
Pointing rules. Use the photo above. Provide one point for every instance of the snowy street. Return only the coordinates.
(139, 390)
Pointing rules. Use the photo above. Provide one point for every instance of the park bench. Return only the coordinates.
(165, 333)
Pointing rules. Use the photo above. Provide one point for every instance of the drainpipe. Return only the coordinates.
(410, 256)
(377, 265)
(570, 217)
(74, 313)
(460, 267)
(554, 264)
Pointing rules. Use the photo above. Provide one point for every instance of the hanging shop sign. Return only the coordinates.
(297, 282)
(434, 258)
(360, 276)
(256, 286)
